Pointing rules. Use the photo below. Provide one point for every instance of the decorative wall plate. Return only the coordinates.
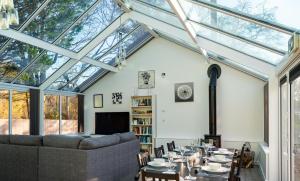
(184, 92)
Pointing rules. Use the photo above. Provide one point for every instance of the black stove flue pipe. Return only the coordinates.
(213, 72)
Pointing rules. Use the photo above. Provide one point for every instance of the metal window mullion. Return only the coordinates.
(246, 17)
(80, 73)
(108, 51)
(93, 7)
(60, 114)
(27, 22)
(10, 113)
(240, 38)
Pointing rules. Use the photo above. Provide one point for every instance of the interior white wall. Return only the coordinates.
(239, 96)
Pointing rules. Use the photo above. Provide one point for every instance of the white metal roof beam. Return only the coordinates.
(82, 54)
(231, 54)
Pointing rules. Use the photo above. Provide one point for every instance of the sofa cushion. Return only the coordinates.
(128, 136)
(98, 142)
(62, 141)
(4, 139)
(27, 140)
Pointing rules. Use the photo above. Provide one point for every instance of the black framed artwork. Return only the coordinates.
(184, 92)
(146, 79)
(98, 101)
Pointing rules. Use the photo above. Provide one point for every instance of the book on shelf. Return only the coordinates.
(141, 102)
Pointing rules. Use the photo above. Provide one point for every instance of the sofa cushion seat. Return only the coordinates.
(4, 139)
(99, 142)
(26, 140)
(62, 141)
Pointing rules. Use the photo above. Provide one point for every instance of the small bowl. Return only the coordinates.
(214, 166)
(220, 157)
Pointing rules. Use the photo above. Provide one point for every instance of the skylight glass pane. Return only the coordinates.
(96, 21)
(236, 26)
(131, 41)
(14, 58)
(45, 66)
(159, 4)
(284, 12)
(25, 9)
(246, 48)
(112, 39)
(73, 86)
(156, 13)
(56, 17)
(69, 75)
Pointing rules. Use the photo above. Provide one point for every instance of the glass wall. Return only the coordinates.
(20, 112)
(4, 104)
(69, 122)
(295, 129)
(60, 114)
(51, 114)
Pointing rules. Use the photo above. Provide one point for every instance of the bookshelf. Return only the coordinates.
(142, 120)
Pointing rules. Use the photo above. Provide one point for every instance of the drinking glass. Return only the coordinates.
(189, 166)
(182, 150)
(170, 160)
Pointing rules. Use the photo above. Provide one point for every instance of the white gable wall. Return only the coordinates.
(239, 96)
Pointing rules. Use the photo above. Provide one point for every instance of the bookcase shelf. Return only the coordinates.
(142, 119)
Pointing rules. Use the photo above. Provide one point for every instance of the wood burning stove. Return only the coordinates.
(213, 72)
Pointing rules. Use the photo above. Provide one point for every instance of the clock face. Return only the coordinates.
(184, 92)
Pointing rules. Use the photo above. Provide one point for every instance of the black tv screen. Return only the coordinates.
(107, 123)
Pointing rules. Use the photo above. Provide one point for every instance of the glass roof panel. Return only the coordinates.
(3, 39)
(130, 42)
(69, 75)
(73, 86)
(159, 4)
(15, 58)
(42, 69)
(284, 12)
(25, 9)
(155, 12)
(236, 26)
(238, 45)
(56, 17)
(97, 20)
(112, 39)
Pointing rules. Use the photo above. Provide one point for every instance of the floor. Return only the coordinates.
(251, 174)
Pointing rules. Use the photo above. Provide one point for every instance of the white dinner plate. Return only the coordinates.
(223, 153)
(214, 159)
(160, 164)
(218, 171)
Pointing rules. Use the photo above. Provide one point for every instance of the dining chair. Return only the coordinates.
(143, 159)
(240, 163)
(159, 152)
(233, 166)
(170, 146)
(173, 143)
(159, 176)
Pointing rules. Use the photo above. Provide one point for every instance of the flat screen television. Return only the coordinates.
(111, 122)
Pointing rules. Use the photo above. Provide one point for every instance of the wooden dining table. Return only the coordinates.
(196, 171)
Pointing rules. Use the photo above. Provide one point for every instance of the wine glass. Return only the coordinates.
(182, 151)
(189, 166)
(170, 160)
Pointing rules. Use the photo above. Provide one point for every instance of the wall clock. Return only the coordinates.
(184, 92)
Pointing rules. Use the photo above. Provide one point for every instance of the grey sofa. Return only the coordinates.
(69, 158)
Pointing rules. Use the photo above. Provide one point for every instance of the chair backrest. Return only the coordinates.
(233, 166)
(159, 152)
(159, 176)
(173, 143)
(240, 163)
(170, 146)
(143, 159)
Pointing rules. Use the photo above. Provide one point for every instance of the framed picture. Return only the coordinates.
(117, 98)
(98, 101)
(184, 92)
(146, 79)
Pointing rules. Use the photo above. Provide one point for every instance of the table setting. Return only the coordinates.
(192, 164)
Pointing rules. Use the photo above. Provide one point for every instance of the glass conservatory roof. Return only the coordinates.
(75, 43)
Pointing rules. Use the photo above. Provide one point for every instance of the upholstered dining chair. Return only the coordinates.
(159, 176)
(240, 163)
(233, 166)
